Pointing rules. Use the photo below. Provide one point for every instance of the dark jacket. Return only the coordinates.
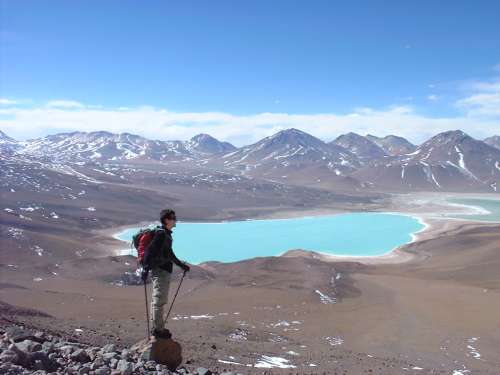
(159, 253)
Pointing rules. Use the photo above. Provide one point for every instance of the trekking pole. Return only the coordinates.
(147, 310)
(172, 304)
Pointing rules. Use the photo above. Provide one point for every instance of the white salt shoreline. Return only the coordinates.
(434, 223)
(388, 255)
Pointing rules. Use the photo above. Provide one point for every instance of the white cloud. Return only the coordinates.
(488, 86)
(481, 105)
(5, 101)
(64, 104)
(158, 123)
(483, 100)
(433, 97)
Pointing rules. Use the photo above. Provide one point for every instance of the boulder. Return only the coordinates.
(125, 367)
(9, 356)
(17, 334)
(67, 349)
(80, 355)
(109, 348)
(107, 357)
(125, 354)
(29, 346)
(41, 361)
(21, 357)
(102, 371)
(85, 369)
(164, 351)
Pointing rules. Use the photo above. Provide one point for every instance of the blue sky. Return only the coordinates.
(246, 58)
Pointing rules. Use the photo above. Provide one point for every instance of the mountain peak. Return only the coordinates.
(454, 133)
(350, 137)
(202, 137)
(207, 144)
(450, 136)
(359, 145)
(291, 132)
(293, 135)
(393, 144)
(5, 138)
(493, 141)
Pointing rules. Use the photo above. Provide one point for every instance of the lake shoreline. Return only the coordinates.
(435, 222)
(395, 255)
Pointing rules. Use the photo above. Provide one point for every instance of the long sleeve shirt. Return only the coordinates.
(159, 253)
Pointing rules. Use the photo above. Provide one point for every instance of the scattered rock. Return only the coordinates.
(17, 334)
(26, 352)
(41, 361)
(163, 351)
(80, 355)
(29, 346)
(203, 371)
(67, 349)
(9, 356)
(124, 367)
(126, 354)
(102, 371)
(21, 357)
(107, 357)
(109, 348)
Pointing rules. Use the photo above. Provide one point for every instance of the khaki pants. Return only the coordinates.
(161, 283)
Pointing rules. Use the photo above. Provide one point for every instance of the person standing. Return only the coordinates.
(159, 258)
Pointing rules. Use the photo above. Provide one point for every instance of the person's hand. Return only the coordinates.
(144, 274)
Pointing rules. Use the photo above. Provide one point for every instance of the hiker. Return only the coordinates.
(158, 258)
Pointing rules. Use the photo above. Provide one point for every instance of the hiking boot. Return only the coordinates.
(162, 333)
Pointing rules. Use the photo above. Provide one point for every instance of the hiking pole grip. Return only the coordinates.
(147, 310)
(173, 300)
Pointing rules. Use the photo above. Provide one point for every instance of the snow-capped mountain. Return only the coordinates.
(207, 144)
(4, 138)
(392, 144)
(450, 160)
(360, 146)
(7, 144)
(493, 141)
(105, 146)
(288, 151)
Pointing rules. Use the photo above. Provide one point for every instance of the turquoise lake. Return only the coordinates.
(491, 205)
(353, 234)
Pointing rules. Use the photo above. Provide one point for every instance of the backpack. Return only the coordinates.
(141, 240)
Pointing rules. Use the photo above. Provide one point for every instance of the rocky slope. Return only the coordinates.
(493, 141)
(362, 147)
(392, 144)
(293, 156)
(206, 144)
(105, 146)
(28, 351)
(8, 145)
(448, 161)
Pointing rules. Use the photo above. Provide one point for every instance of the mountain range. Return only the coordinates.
(450, 160)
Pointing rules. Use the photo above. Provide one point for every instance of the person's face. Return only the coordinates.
(170, 222)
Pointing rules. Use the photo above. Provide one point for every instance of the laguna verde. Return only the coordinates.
(351, 234)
